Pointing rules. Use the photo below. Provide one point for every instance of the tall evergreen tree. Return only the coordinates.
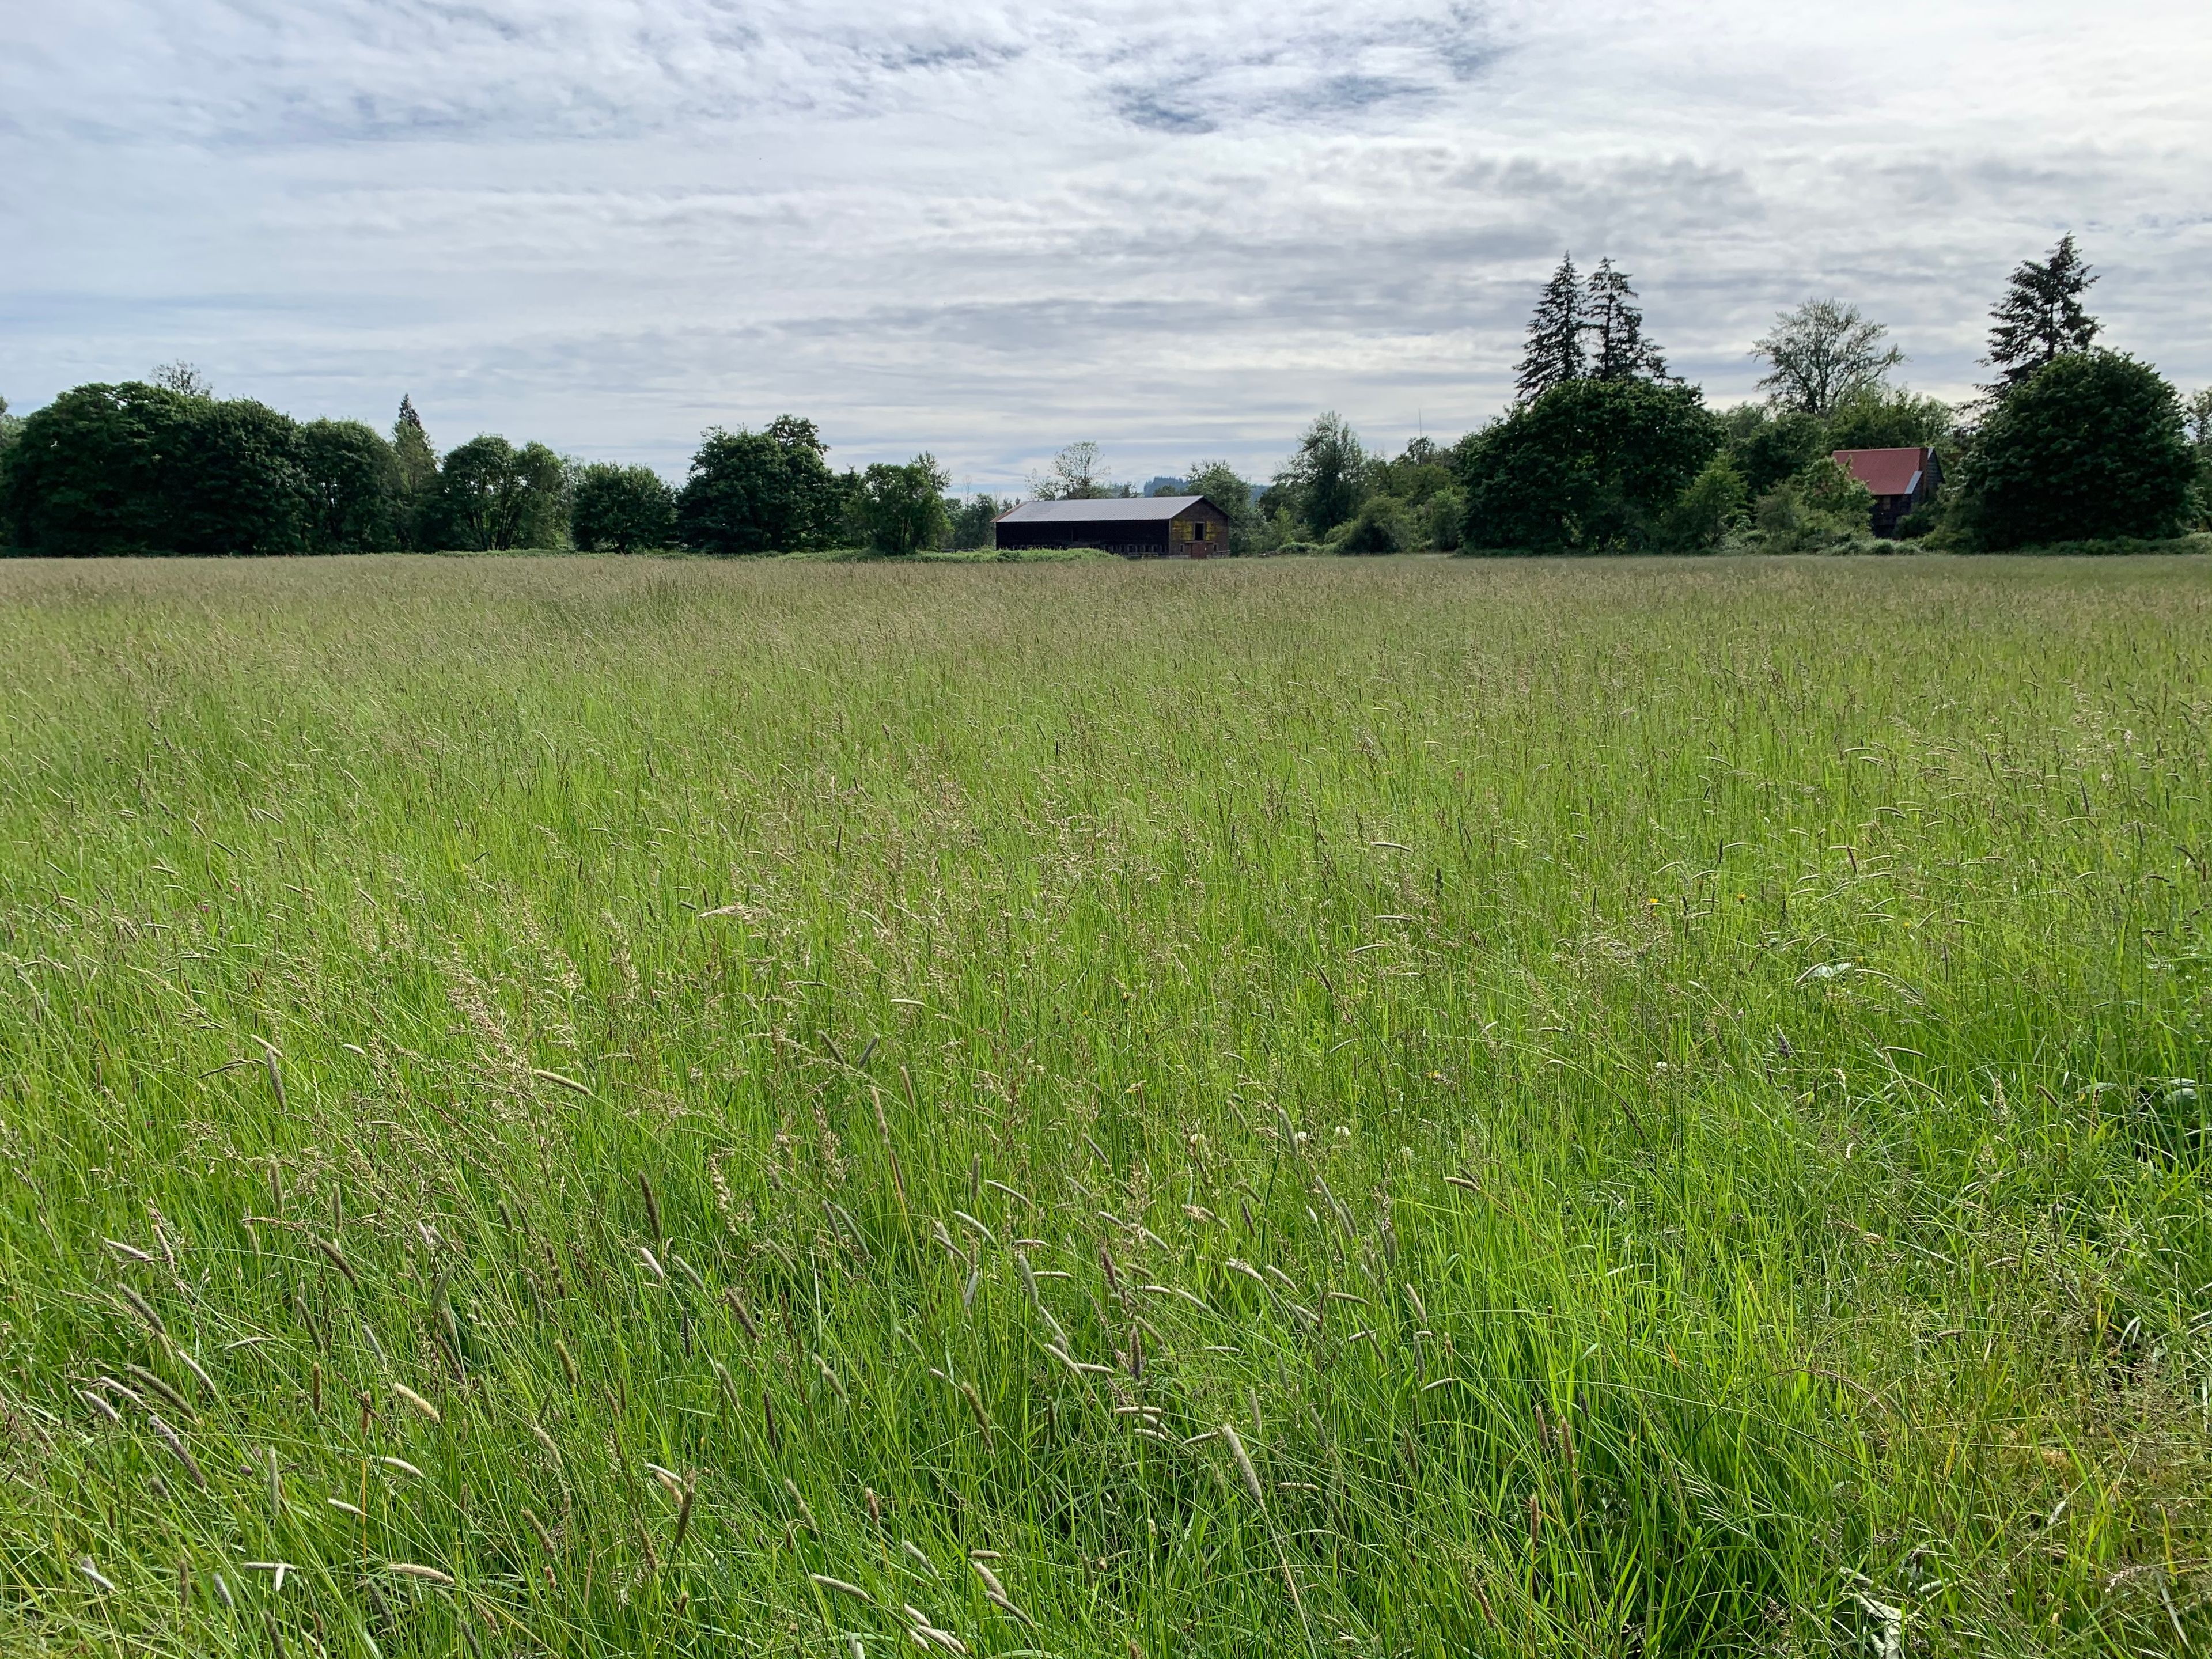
(1554, 352)
(2041, 316)
(413, 519)
(1614, 322)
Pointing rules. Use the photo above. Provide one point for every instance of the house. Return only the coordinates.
(1140, 527)
(1899, 479)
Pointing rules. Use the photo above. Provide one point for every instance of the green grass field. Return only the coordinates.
(1418, 1108)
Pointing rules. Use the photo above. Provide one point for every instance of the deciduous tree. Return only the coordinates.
(761, 492)
(900, 509)
(1326, 478)
(1821, 355)
(2090, 447)
(1590, 466)
(620, 509)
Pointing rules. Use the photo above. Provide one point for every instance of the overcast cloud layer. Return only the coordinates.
(987, 230)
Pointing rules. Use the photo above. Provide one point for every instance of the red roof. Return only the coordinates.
(1885, 471)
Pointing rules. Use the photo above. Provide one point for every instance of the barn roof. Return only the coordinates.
(1884, 472)
(1122, 509)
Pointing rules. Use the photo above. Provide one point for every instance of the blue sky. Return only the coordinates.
(988, 230)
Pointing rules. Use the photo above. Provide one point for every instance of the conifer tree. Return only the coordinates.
(2040, 316)
(419, 478)
(1554, 353)
(1614, 322)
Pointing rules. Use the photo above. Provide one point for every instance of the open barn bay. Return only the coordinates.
(585, 1106)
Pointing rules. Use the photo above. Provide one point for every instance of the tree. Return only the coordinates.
(2041, 317)
(414, 509)
(351, 478)
(1590, 466)
(1615, 324)
(1875, 417)
(620, 509)
(1766, 446)
(761, 492)
(972, 519)
(901, 509)
(1710, 504)
(1075, 477)
(1223, 486)
(10, 426)
(492, 495)
(1382, 525)
(1327, 477)
(185, 380)
(2196, 416)
(142, 469)
(1821, 355)
(2092, 446)
(1553, 355)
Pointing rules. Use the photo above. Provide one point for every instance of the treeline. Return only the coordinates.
(167, 467)
(1602, 451)
(1605, 451)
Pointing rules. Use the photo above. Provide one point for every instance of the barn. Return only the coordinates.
(1137, 527)
(1899, 479)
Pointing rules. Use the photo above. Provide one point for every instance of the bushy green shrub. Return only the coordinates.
(1382, 524)
(1822, 509)
(1445, 517)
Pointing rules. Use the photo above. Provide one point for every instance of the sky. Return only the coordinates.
(988, 230)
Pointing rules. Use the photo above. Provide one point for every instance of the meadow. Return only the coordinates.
(1407, 1108)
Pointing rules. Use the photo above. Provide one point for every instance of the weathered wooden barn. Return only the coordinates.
(1137, 527)
(1900, 480)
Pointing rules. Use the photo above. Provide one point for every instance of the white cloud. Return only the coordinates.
(989, 229)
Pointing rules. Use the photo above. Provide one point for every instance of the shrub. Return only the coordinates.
(2089, 447)
(1380, 526)
(1823, 508)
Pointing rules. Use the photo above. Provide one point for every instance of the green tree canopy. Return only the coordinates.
(620, 509)
(901, 508)
(761, 492)
(1878, 417)
(1327, 477)
(492, 495)
(1822, 355)
(142, 469)
(415, 509)
(972, 518)
(2090, 447)
(1590, 466)
(1228, 490)
(352, 481)
(1767, 445)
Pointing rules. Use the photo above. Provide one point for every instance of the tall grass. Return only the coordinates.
(1410, 1109)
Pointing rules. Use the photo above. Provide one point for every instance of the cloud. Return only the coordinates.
(985, 229)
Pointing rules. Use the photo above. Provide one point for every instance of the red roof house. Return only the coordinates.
(1900, 480)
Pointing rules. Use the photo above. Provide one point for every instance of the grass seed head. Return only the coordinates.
(416, 1402)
